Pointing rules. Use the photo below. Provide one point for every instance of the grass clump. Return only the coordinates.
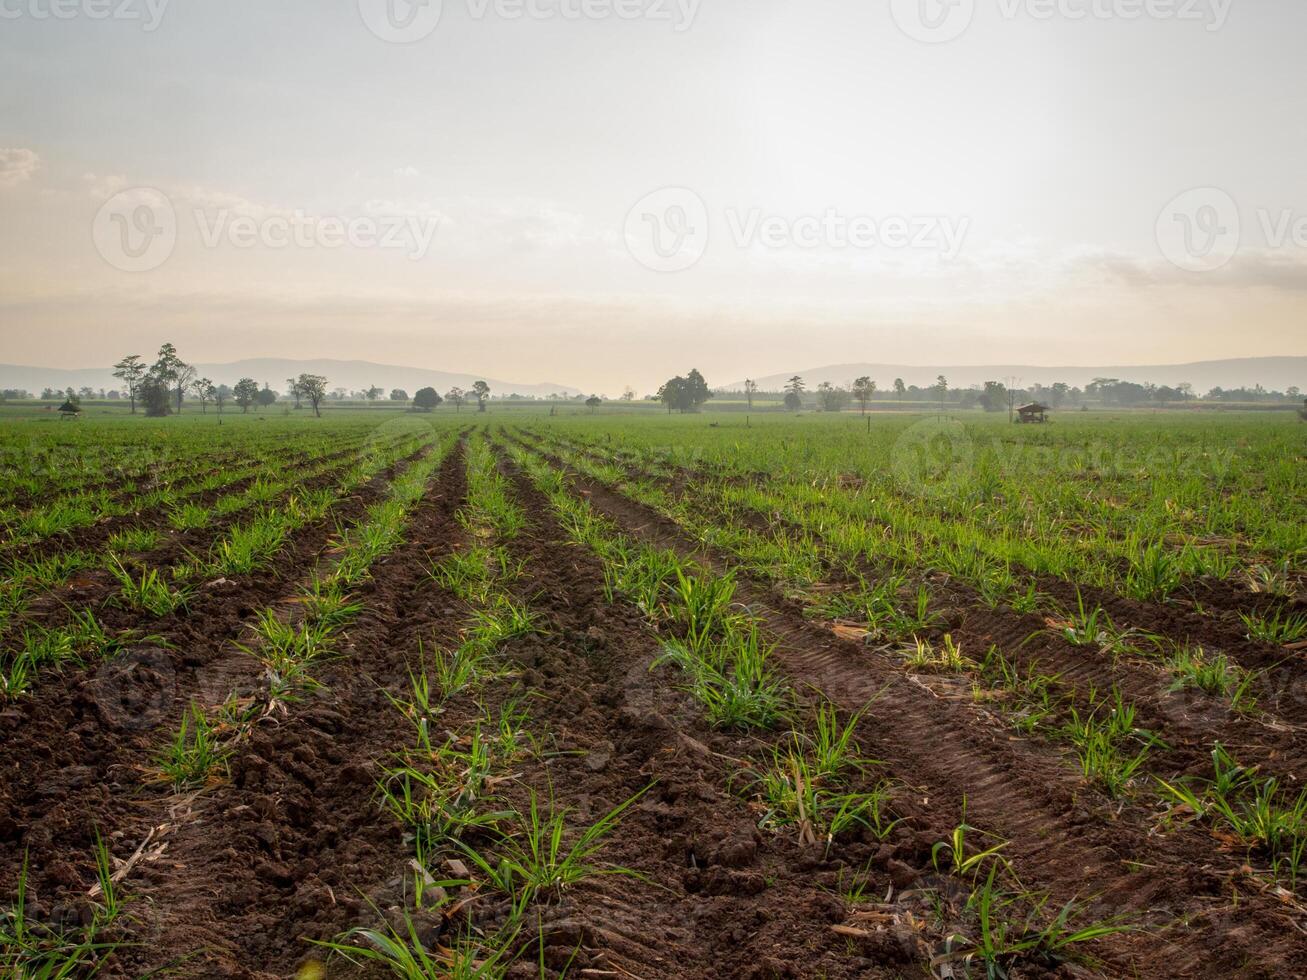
(196, 754)
(808, 787)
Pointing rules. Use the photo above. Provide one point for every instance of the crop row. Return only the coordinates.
(1142, 531)
(57, 517)
(810, 782)
(1100, 732)
(155, 593)
(44, 463)
(288, 651)
(813, 534)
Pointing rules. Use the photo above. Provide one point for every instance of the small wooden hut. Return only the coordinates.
(70, 410)
(1034, 412)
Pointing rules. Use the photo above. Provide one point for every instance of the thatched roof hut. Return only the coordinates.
(1034, 412)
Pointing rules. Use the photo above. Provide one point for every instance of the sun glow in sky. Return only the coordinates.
(478, 197)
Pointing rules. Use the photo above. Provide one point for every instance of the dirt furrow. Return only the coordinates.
(1181, 621)
(76, 749)
(716, 896)
(89, 589)
(1061, 839)
(294, 846)
(1188, 720)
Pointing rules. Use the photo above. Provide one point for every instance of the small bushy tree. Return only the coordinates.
(155, 397)
(427, 399)
(246, 393)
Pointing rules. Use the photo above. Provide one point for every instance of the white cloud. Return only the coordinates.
(104, 187)
(1281, 269)
(17, 165)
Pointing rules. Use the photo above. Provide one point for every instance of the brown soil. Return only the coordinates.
(1065, 839)
(76, 749)
(293, 847)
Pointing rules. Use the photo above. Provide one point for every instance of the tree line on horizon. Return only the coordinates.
(997, 396)
(162, 387)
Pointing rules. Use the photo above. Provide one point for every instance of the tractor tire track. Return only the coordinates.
(1058, 840)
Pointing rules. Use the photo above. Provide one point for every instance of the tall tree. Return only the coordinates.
(794, 393)
(314, 388)
(205, 392)
(457, 396)
(267, 397)
(481, 391)
(293, 389)
(750, 389)
(185, 375)
(899, 389)
(427, 399)
(863, 390)
(373, 393)
(131, 371)
(174, 373)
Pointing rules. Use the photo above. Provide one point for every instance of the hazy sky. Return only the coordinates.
(605, 192)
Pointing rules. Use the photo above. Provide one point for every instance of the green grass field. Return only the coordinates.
(978, 659)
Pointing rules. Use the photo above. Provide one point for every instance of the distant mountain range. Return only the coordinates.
(1276, 373)
(354, 375)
